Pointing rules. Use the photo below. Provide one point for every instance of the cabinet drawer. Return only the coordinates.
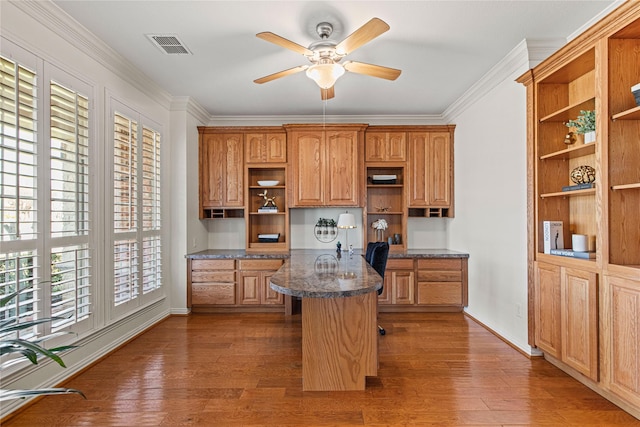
(440, 293)
(400, 263)
(213, 293)
(440, 264)
(213, 264)
(260, 264)
(213, 276)
(439, 276)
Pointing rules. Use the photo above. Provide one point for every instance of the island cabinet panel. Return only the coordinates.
(266, 147)
(325, 164)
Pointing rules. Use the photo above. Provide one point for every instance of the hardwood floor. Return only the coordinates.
(245, 369)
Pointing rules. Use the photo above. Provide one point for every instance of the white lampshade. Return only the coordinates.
(325, 75)
(346, 220)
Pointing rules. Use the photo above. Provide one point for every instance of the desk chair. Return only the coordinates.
(376, 255)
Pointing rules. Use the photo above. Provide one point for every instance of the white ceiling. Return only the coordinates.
(442, 48)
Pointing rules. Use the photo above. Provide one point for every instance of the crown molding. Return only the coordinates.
(524, 56)
(56, 20)
(191, 106)
(369, 119)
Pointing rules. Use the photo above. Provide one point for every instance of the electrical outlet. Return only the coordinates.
(519, 310)
(194, 242)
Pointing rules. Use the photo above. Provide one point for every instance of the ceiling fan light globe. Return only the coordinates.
(325, 75)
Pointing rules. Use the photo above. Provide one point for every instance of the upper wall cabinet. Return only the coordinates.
(266, 147)
(325, 164)
(431, 173)
(383, 146)
(221, 157)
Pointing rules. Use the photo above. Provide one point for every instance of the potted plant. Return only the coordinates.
(585, 124)
(29, 349)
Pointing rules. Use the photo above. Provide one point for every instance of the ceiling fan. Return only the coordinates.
(325, 56)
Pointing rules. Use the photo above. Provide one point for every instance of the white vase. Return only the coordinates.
(590, 137)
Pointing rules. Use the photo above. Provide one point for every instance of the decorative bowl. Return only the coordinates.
(583, 175)
(269, 183)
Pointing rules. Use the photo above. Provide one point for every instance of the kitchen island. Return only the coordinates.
(339, 317)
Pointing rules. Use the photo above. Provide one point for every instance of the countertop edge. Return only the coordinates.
(241, 254)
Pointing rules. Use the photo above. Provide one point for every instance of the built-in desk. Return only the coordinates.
(339, 317)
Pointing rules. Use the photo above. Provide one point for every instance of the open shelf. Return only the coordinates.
(630, 114)
(569, 112)
(386, 201)
(266, 222)
(577, 150)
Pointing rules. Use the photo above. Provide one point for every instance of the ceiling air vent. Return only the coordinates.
(169, 44)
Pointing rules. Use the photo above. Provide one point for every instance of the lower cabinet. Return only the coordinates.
(442, 282)
(621, 340)
(213, 282)
(253, 284)
(229, 284)
(424, 284)
(566, 316)
(399, 283)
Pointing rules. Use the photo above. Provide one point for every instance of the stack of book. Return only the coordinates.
(268, 209)
(579, 186)
(269, 238)
(573, 254)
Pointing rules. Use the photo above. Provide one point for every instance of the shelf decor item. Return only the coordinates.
(583, 174)
(380, 225)
(269, 202)
(635, 90)
(585, 125)
(268, 183)
(570, 138)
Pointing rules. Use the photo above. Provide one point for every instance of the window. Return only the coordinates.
(45, 207)
(137, 248)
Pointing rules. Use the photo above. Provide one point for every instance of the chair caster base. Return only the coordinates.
(381, 330)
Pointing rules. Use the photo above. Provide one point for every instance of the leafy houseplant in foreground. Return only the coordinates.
(10, 343)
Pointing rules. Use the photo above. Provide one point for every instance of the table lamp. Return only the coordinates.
(347, 221)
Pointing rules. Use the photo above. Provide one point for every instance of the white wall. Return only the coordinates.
(491, 205)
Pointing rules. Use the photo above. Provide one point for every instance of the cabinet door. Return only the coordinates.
(385, 147)
(269, 296)
(429, 169)
(402, 287)
(342, 173)
(266, 148)
(621, 359)
(580, 321)
(547, 310)
(221, 170)
(307, 159)
(249, 289)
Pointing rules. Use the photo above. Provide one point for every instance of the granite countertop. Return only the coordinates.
(242, 254)
(322, 274)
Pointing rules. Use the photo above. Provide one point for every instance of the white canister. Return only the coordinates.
(580, 242)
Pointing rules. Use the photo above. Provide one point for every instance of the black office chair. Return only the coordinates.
(376, 255)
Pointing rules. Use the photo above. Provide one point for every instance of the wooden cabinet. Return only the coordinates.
(221, 170)
(567, 316)
(265, 147)
(431, 172)
(621, 339)
(442, 282)
(211, 282)
(253, 286)
(325, 164)
(381, 146)
(425, 284)
(399, 283)
(222, 285)
(595, 71)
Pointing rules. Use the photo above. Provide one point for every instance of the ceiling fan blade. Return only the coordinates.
(372, 70)
(327, 93)
(281, 41)
(279, 74)
(362, 35)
